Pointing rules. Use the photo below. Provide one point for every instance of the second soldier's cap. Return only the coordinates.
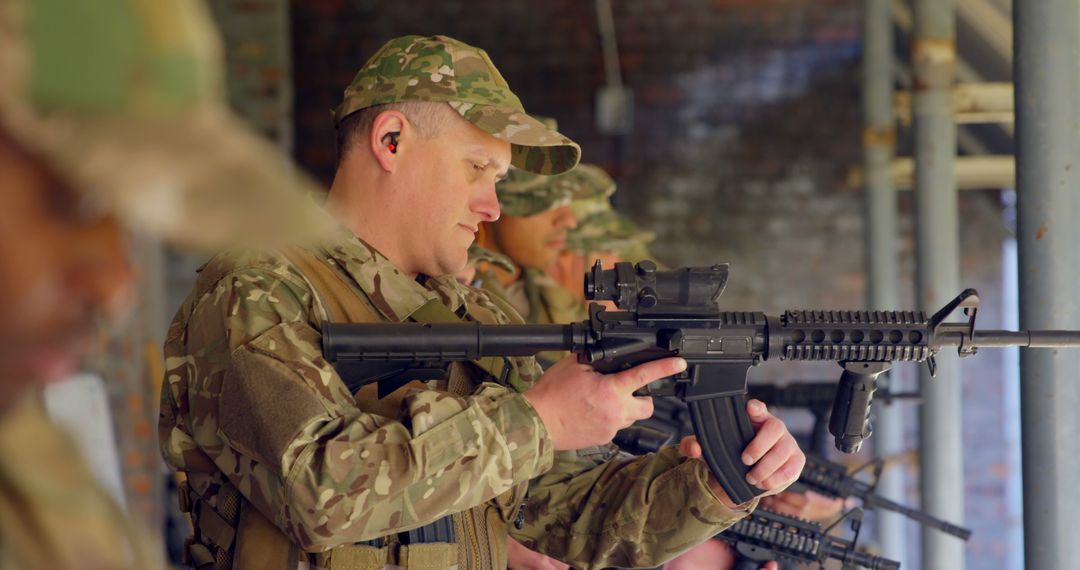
(526, 194)
(124, 101)
(442, 69)
(601, 229)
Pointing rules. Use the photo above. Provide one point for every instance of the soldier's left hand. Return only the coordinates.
(776, 458)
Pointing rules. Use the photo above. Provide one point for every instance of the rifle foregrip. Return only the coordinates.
(723, 430)
(850, 419)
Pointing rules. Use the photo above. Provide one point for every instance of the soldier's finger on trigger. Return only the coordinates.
(768, 433)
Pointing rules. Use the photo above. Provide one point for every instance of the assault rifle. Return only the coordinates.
(766, 535)
(677, 313)
(833, 480)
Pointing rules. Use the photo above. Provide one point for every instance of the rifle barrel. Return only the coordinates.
(845, 552)
(1003, 339)
(877, 501)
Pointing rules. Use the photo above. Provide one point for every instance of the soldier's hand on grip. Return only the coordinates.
(776, 458)
(581, 407)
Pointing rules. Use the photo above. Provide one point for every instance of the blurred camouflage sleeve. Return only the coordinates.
(600, 508)
(254, 394)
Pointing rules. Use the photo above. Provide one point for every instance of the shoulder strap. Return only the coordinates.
(342, 303)
(338, 298)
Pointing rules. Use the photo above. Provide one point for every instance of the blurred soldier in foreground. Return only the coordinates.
(287, 468)
(536, 218)
(130, 134)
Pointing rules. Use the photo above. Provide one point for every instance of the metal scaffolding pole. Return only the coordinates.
(937, 270)
(1047, 74)
(879, 137)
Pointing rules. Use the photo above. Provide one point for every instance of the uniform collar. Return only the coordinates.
(393, 293)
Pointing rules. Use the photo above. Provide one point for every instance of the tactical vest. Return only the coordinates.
(233, 535)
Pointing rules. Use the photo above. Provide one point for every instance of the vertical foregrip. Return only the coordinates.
(723, 430)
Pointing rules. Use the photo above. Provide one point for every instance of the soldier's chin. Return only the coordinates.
(447, 264)
(459, 268)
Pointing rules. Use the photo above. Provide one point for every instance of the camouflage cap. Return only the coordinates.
(438, 68)
(526, 194)
(601, 228)
(479, 254)
(123, 99)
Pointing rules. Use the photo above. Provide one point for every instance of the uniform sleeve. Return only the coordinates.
(294, 443)
(599, 508)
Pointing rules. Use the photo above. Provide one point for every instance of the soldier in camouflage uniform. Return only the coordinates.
(535, 212)
(288, 469)
(537, 216)
(130, 134)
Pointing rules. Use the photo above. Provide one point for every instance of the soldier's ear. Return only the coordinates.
(386, 137)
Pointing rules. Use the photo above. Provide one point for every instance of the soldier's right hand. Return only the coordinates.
(581, 407)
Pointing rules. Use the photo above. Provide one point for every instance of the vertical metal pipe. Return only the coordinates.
(937, 271)
(1047, 75)
(879, 138)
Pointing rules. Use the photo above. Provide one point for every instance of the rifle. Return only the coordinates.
(767, 535)
(833, 480)
(817, 398)
(677, 313)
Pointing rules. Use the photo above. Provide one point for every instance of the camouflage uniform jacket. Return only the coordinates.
(250, 403)
(53, 514)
